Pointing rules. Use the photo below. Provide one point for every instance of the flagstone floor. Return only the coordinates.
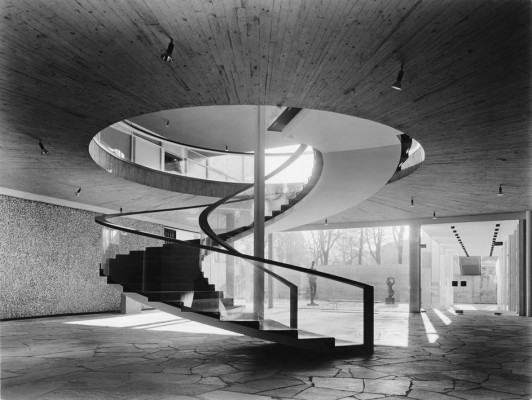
(443, 355)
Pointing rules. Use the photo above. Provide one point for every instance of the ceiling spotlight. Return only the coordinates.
(120, 210)
(500, 191)
(43, 149)
(226, 148)
(78, 192)
(434, 215)
(397, 83)
(167, 123)
(167, 55)
(326, 223)
(412, 202)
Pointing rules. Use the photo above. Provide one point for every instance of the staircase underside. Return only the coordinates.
(266, 330)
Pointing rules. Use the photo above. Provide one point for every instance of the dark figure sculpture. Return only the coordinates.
(390, 299)
(313, 286)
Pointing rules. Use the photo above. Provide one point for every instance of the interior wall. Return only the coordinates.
(50, 260)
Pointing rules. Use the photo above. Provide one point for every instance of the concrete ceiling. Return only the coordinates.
(476, 236)
(70, 69)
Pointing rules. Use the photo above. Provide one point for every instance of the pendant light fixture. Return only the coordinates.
(78, 192)
(167, 55)
(43, 149)
(500, 191)
(397, 84)
(412, 202)
(434, 215)
(326, 223)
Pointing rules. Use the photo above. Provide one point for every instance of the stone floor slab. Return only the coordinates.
(57, 358)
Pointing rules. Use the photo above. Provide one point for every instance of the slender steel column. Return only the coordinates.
(415, 269)
(270, 278)
(258, 275)
(229, 260)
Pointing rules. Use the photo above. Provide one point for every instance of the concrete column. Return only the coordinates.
(444, 280)
(449, 265)
(528, 257)
(229, 260)
(426, 271)
(437, 279)
(129, 306)
(512, 273)
(415, 269)
(521, 269)
(505, 282)
(259, 195)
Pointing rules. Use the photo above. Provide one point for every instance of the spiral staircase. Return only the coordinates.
(178, 278)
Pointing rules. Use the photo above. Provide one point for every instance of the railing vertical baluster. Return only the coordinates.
(368, 319)
(293, 307)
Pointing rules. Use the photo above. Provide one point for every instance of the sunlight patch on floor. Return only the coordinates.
(446, 320)
(153, 321)
(432, 335)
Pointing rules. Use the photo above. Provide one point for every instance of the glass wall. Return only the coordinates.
(376, 256)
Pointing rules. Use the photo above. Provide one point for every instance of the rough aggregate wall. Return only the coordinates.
(49, 260)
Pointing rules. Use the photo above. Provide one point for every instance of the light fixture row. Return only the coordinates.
(457, 236)
(494, 240)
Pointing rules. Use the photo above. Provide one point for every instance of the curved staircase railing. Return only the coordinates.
(197, 281)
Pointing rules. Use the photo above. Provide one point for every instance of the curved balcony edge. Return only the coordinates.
(159, 179)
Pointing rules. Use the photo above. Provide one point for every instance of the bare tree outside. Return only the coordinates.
(320, 244)
(398, 238)
(350, 246)
(374, 241)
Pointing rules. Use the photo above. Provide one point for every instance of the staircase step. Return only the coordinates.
(245, 319)
(278, 328)
(305, 335)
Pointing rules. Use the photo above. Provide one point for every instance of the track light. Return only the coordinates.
(412, 202)
(500, 191)
(43, 149)
(167, 55)
(78, 192)
(326, 223)
(434, 215)
(397, 83)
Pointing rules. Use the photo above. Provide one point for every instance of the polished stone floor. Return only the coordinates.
(435, 355)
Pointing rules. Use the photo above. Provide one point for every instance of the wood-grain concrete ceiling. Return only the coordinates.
(69, 69)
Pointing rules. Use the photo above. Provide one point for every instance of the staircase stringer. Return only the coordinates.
(230, 326)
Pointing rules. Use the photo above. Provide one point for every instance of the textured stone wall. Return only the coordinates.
(49, 260)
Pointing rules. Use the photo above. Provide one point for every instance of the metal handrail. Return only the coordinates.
(206, 228)
(368, 292)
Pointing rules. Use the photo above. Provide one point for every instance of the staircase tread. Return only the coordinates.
(306, 335)
(271, 325)
(244, 317)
